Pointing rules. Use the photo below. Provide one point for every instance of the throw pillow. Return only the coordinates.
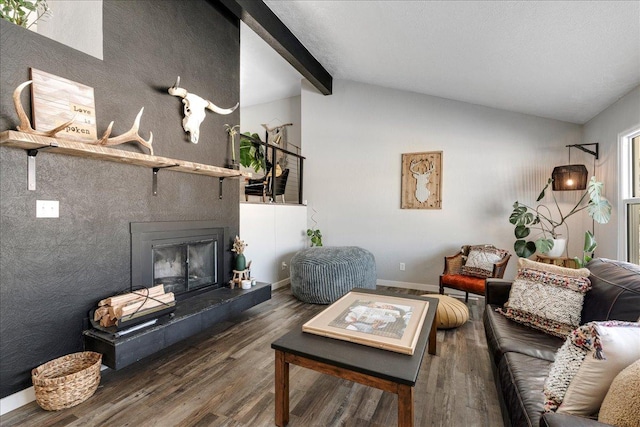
(481, 259)
(587, 363)
(547, 297)
(621, 405)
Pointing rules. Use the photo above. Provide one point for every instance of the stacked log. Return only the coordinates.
(134, 304)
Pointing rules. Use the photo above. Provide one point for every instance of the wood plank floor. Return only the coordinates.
(224, 377)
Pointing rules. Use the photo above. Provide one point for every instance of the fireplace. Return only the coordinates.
(184, 256)
(187, 257)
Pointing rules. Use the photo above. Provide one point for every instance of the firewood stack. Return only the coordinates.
(132, 305)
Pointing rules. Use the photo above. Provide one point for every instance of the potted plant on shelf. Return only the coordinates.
(525, 218)
(232, 131)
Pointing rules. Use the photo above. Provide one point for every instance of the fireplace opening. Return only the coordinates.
(183, 256)
(186, 266)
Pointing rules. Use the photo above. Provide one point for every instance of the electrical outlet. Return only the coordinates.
(47, 209)
(402, 266)
(284, 265)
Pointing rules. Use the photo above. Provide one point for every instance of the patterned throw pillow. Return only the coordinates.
(547, 297)
(587, 363)
(481, 259)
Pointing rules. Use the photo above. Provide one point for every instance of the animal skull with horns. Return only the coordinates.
(194, 110)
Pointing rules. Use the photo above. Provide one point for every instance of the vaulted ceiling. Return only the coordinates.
(566, 60)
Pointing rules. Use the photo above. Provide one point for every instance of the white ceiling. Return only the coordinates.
(566, 60)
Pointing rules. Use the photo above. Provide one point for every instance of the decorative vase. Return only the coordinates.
(241, 262)
(558, 248)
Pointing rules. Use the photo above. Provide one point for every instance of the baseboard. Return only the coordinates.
(21, 398)
(393, 284)
(422, 287)
(281, 284)
(16, 400)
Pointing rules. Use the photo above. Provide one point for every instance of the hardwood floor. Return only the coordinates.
(225, 377)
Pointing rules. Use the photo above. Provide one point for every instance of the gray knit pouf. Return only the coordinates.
(321, 275)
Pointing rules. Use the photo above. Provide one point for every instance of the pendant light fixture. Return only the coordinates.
(573, 177)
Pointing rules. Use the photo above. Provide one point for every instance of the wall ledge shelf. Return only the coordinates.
(26, 141)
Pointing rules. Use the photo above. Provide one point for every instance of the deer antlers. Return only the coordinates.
(25, 124)
(130, 136)
(415, 163)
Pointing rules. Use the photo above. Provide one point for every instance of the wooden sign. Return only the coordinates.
(56, 100)
(422, 180)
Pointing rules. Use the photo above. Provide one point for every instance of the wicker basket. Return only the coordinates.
(67, 381)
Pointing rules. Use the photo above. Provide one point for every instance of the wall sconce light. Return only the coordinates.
(573, 177)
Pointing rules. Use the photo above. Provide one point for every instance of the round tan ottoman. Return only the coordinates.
(451, 312)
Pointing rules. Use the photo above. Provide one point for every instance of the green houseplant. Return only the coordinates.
(589, 246)
(251, 152)
(314, 234)
(316, 237)
(19, 11)
(527, 218)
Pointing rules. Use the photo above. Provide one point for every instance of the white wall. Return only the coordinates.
(274, 234)
(353, 142)
(274, 113)
(274, 231)
(605, 128)
(84, 17)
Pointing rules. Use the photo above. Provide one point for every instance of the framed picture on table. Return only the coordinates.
(387, 322)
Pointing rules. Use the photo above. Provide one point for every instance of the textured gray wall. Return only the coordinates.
(53, 271)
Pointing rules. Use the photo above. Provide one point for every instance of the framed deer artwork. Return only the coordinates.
(422, 180)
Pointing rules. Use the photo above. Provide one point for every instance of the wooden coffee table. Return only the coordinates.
(386, 370)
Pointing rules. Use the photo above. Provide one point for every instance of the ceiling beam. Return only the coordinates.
(258, 17)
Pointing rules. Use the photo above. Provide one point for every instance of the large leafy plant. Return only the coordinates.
(19, 11)
(251, 152)
(527, 218)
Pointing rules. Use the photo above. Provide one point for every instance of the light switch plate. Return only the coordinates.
(47, 209)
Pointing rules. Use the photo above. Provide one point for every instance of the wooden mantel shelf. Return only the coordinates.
(28, 141)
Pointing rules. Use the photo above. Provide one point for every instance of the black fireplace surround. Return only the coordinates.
(184, 256)
(187, 258)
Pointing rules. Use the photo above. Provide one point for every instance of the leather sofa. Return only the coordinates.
(522, 356)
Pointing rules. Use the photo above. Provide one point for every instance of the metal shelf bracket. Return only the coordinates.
(31, 165)
(154, 189)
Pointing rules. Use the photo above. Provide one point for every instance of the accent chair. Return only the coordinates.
(468, 269)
